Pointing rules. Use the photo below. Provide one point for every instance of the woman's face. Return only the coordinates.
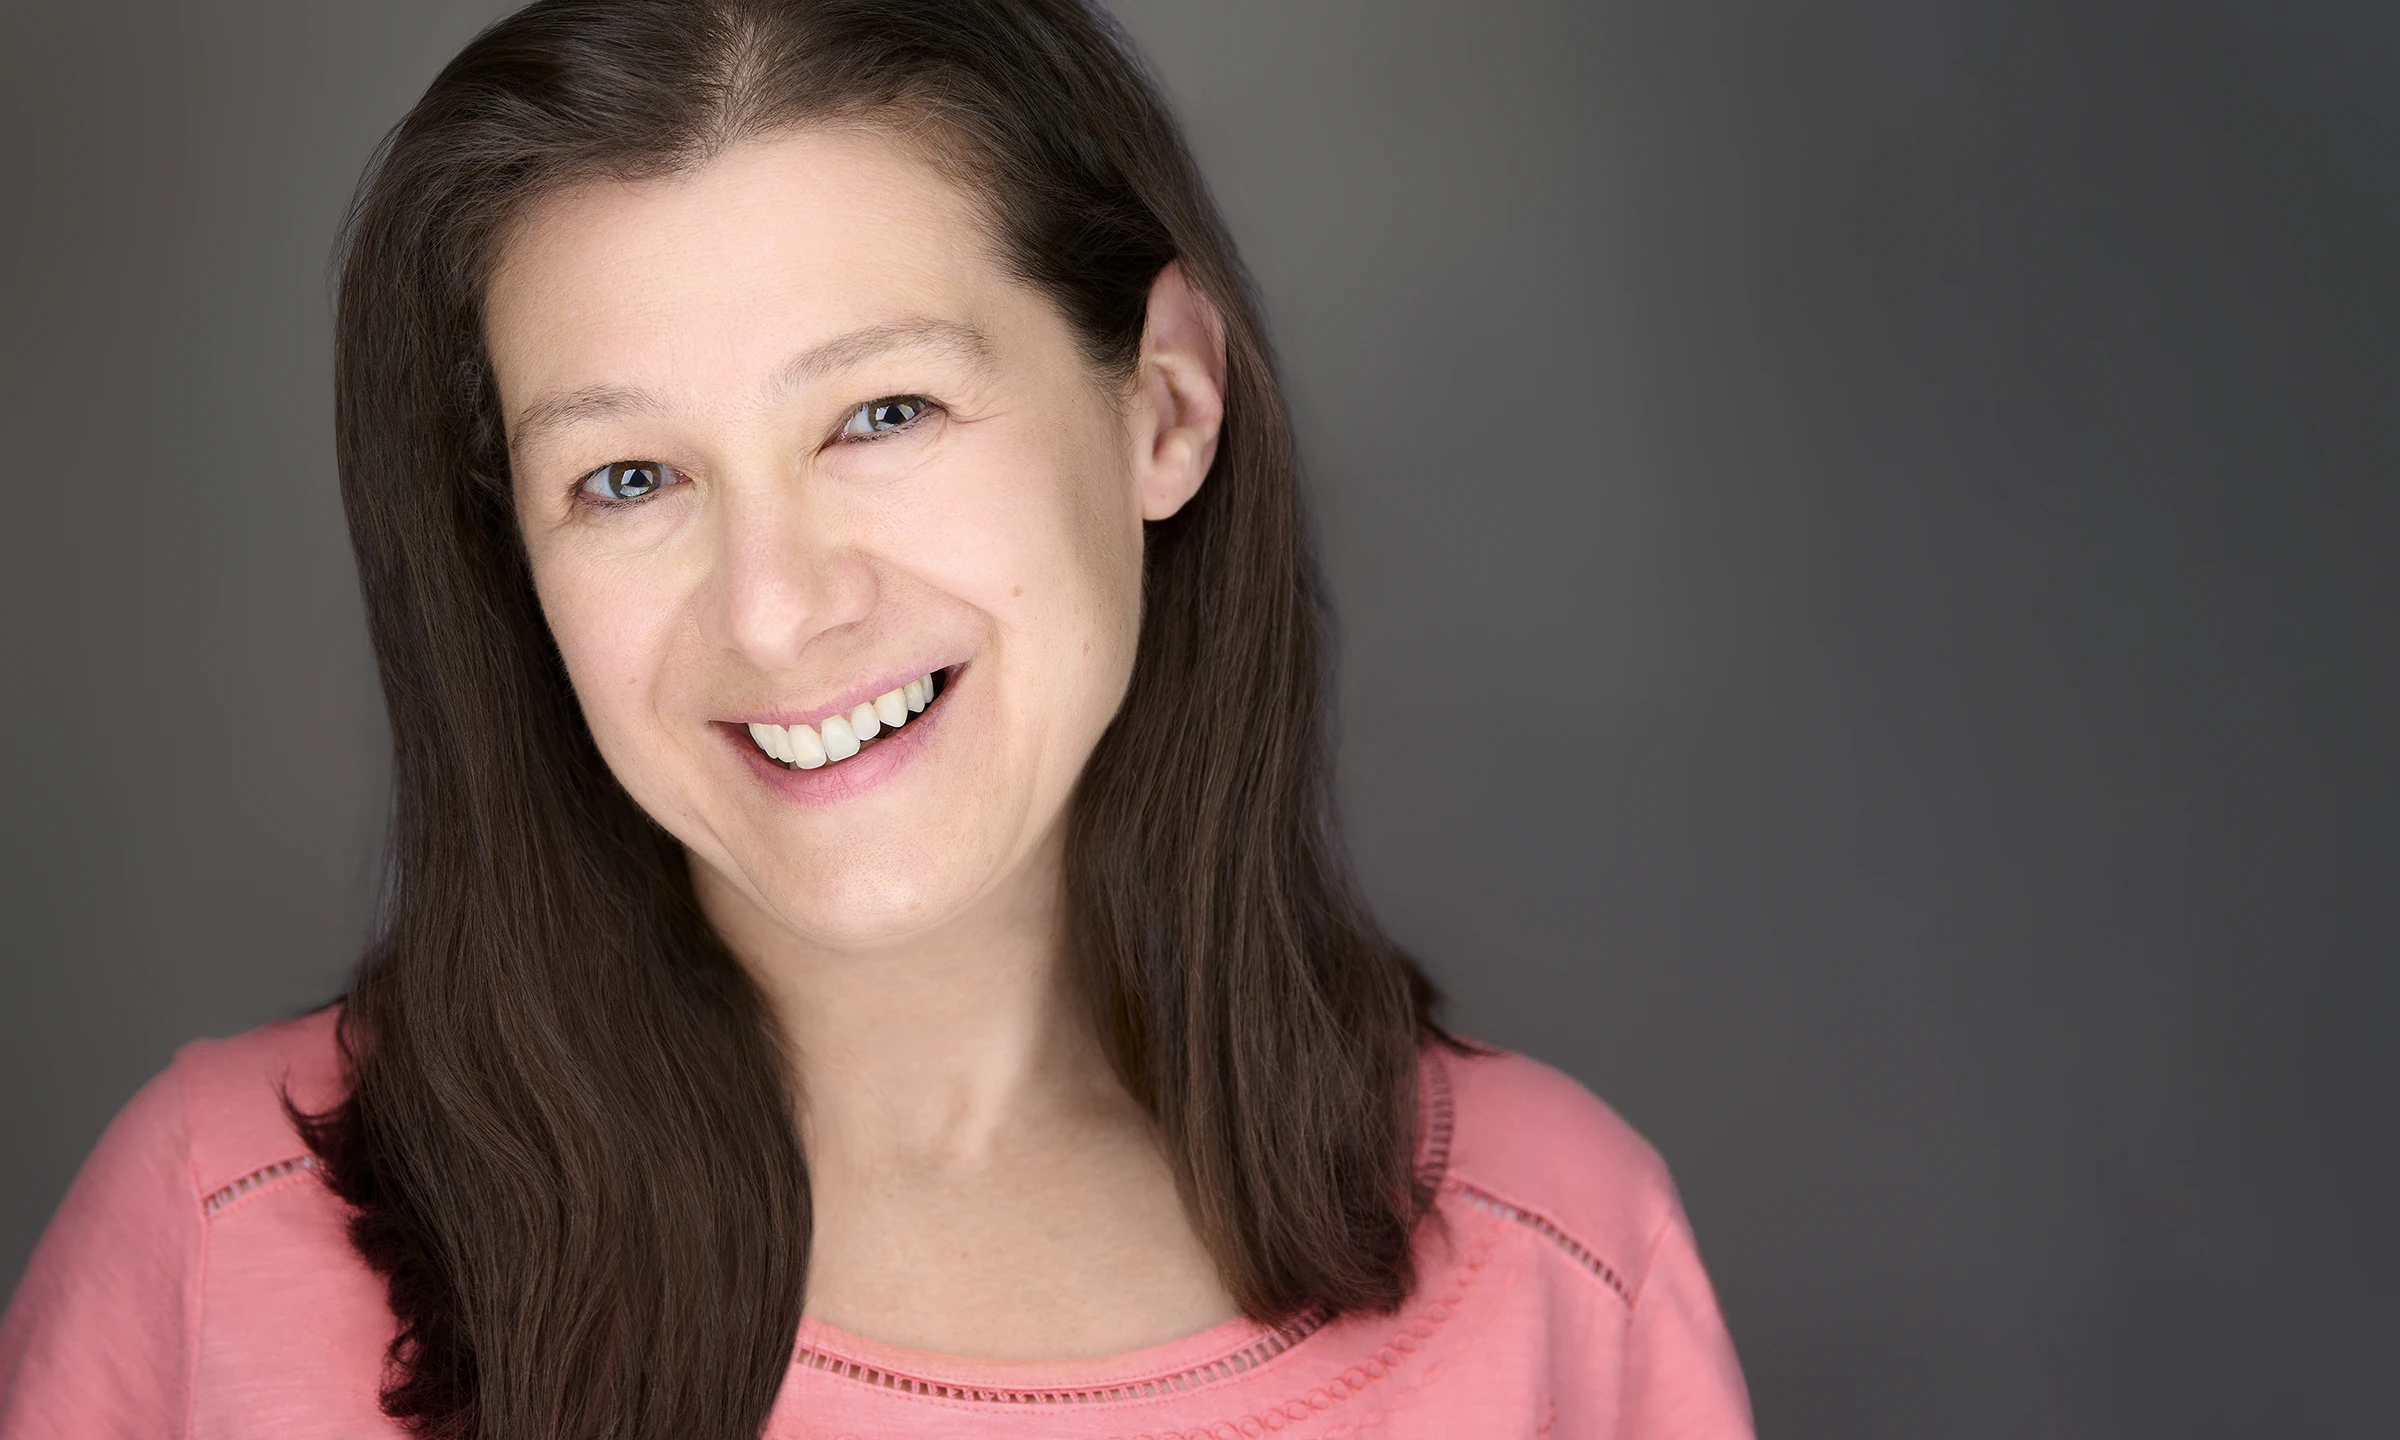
(786, 440)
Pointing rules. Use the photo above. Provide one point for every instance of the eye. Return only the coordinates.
(627, 480)
(882, 417)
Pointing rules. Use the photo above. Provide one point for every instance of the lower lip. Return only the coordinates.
(839, 780)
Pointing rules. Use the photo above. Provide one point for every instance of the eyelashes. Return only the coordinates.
(627, 482)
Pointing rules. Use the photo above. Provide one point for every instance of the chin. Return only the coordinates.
(865, 903)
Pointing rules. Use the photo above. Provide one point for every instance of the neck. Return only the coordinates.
(934, 1048)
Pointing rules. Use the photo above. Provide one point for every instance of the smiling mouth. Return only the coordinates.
(838, 737)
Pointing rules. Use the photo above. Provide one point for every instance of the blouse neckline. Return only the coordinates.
(1220, 1351)
(1216, 1353)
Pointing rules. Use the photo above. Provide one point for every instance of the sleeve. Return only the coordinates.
(1681, 1381)
(103, 1334)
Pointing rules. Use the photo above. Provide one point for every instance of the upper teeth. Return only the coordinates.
(838, 737)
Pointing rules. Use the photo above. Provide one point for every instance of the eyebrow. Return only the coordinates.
(828, 357)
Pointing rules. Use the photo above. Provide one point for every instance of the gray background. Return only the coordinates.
(1865, 534)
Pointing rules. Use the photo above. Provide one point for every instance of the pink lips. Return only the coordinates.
(842, 780)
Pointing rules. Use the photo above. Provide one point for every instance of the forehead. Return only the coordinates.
(773, 246)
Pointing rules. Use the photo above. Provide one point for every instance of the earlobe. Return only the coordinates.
(1180, 394)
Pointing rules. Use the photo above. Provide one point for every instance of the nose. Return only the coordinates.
(786, 572)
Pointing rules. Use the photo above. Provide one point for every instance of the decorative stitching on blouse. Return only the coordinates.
(1543, 1226)
(1440, 1119)
(223, 1199)
(1249, 1357)
(1361, 1376)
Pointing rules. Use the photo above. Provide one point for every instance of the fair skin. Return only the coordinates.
(865, 453)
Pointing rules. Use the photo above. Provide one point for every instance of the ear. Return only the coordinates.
(1178, 402)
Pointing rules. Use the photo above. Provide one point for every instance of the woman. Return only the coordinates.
(866, 950)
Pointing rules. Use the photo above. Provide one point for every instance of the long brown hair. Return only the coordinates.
(570, 1138)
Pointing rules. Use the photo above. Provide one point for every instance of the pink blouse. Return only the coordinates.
(197, 1281)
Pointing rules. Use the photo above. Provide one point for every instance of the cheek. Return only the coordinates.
(1051, 548)
(1108, 625)
(1104, 531)
(612, 631)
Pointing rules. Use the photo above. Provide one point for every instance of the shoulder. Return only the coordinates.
(233, 1093)
(209, 1130)
(105, 1333)
(1531, 1144)
(214, 1118)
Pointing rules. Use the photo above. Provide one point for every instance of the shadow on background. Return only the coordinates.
(1865, 537)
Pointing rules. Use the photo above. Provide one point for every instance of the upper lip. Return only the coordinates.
(840, 703)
